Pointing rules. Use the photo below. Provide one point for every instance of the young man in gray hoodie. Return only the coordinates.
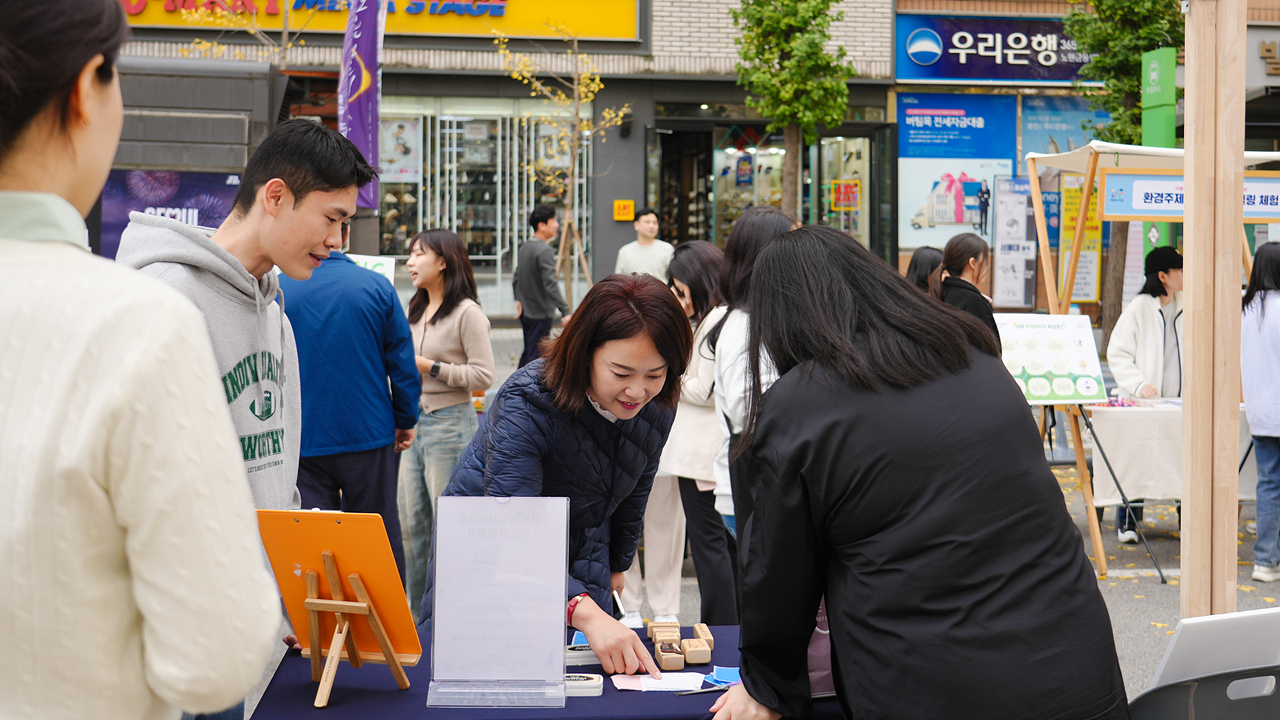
(295, 200)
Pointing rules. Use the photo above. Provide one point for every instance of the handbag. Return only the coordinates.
(821, 681)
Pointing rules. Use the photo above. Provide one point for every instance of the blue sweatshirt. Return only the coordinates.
(352, 337)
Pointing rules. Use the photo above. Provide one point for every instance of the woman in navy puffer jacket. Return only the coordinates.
(588, 422)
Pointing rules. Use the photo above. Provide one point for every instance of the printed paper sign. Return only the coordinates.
(1052, 358)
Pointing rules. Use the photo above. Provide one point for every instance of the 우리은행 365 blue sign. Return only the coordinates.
(986, 50)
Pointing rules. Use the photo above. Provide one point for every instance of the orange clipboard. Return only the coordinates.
(295, 540)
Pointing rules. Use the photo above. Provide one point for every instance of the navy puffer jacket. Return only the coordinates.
(529, 447)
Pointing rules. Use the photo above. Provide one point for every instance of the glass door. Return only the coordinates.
(846, 166)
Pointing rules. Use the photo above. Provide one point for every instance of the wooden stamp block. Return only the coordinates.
(669, 657)
(655, 626)
(703, 633)
(696, 652)
(666, 635)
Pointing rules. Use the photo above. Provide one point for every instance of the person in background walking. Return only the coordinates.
(534, 283)
(454, 356)
(695, 438)
(1260, 376)
(133, 582)
(965, 261)
(646, 254)
(929, 583)
(754, 229)
(359, 390)
(1145, 351)
(923, 262)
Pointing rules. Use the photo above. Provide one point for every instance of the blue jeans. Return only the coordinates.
(235, 713)
(1266, 551)
(425, 469)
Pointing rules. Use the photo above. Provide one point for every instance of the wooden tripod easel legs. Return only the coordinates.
(1086, 492)
(343, 635)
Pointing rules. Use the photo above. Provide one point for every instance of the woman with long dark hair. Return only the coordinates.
(923, 262)
(587, 421)
(727, 339)
(965, 261)
(1260, 375)
(931, 584)
(695, 438)
(454, 355)
(133, 582)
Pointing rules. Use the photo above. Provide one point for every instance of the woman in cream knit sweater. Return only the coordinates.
(454, 355)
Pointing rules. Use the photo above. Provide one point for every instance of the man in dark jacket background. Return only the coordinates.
(537, 293)
(352, 338)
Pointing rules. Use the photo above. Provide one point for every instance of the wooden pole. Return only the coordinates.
(1214, 175)
(1042, 234)
(1086, 492)
(1077, 243)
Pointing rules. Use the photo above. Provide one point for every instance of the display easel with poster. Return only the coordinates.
(1114, 159)
(360, 617)
(1013, 277)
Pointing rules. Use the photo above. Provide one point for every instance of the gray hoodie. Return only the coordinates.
(252, 343)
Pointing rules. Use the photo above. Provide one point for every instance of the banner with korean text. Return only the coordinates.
(1158, 195)
(986, 50)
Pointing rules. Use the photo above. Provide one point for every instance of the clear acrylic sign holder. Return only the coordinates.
(499, 609)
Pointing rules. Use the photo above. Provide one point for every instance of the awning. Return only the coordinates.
(1130, 156)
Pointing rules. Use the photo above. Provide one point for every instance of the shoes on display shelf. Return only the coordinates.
(1127, 536)
(1262, 573)
(633, 620)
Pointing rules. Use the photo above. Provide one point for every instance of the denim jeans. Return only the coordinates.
(1266, 551)
(425, 469)
(234, 713)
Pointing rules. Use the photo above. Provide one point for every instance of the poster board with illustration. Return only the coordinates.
(296, 540)
(1052, 358)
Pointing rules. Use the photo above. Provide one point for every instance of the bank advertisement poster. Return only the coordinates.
(400, 150)
(994, 50)
(1052, 358)
(950, 150)
(193, 198)
(1089, 272)
(1013, 277)
(1054, 124)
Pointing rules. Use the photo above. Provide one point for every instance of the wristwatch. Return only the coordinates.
(435, 368)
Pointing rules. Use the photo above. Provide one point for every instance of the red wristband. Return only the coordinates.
(573, 605)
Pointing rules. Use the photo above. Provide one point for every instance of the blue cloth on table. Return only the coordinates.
(371, 692)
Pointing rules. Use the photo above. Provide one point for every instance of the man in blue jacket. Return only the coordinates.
(352, 338)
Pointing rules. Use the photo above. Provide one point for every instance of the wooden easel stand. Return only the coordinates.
(343, 644)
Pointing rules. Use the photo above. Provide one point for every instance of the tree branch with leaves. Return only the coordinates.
(790, 76)
(569, 90)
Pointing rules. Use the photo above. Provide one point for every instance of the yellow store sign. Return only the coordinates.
(588, 19)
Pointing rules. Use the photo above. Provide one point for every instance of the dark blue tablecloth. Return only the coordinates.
(370, 692)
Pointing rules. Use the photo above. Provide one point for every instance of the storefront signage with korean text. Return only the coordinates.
(1160, 195)
(986, 50)
(589, 19)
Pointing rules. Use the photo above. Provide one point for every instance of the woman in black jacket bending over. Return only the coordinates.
(966, 260)
(884, 463)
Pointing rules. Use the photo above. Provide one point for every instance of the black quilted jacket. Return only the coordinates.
(528, 447)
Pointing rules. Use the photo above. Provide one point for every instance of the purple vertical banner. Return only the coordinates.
(360, 84)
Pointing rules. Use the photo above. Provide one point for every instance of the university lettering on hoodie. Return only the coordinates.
(255, 368)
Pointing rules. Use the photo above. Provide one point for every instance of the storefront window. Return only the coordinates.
(846, 166)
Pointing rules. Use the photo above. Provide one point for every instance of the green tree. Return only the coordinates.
(1117, 32)
(790, 76)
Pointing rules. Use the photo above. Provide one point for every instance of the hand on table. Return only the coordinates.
(737, 704)
(292, 642)
(619, 647)
(1148, 390)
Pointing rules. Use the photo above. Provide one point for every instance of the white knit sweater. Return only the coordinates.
(132, 583)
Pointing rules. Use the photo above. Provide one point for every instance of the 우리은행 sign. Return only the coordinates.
(1160, 195)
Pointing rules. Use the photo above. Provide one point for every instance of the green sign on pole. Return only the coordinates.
(1159, 123)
